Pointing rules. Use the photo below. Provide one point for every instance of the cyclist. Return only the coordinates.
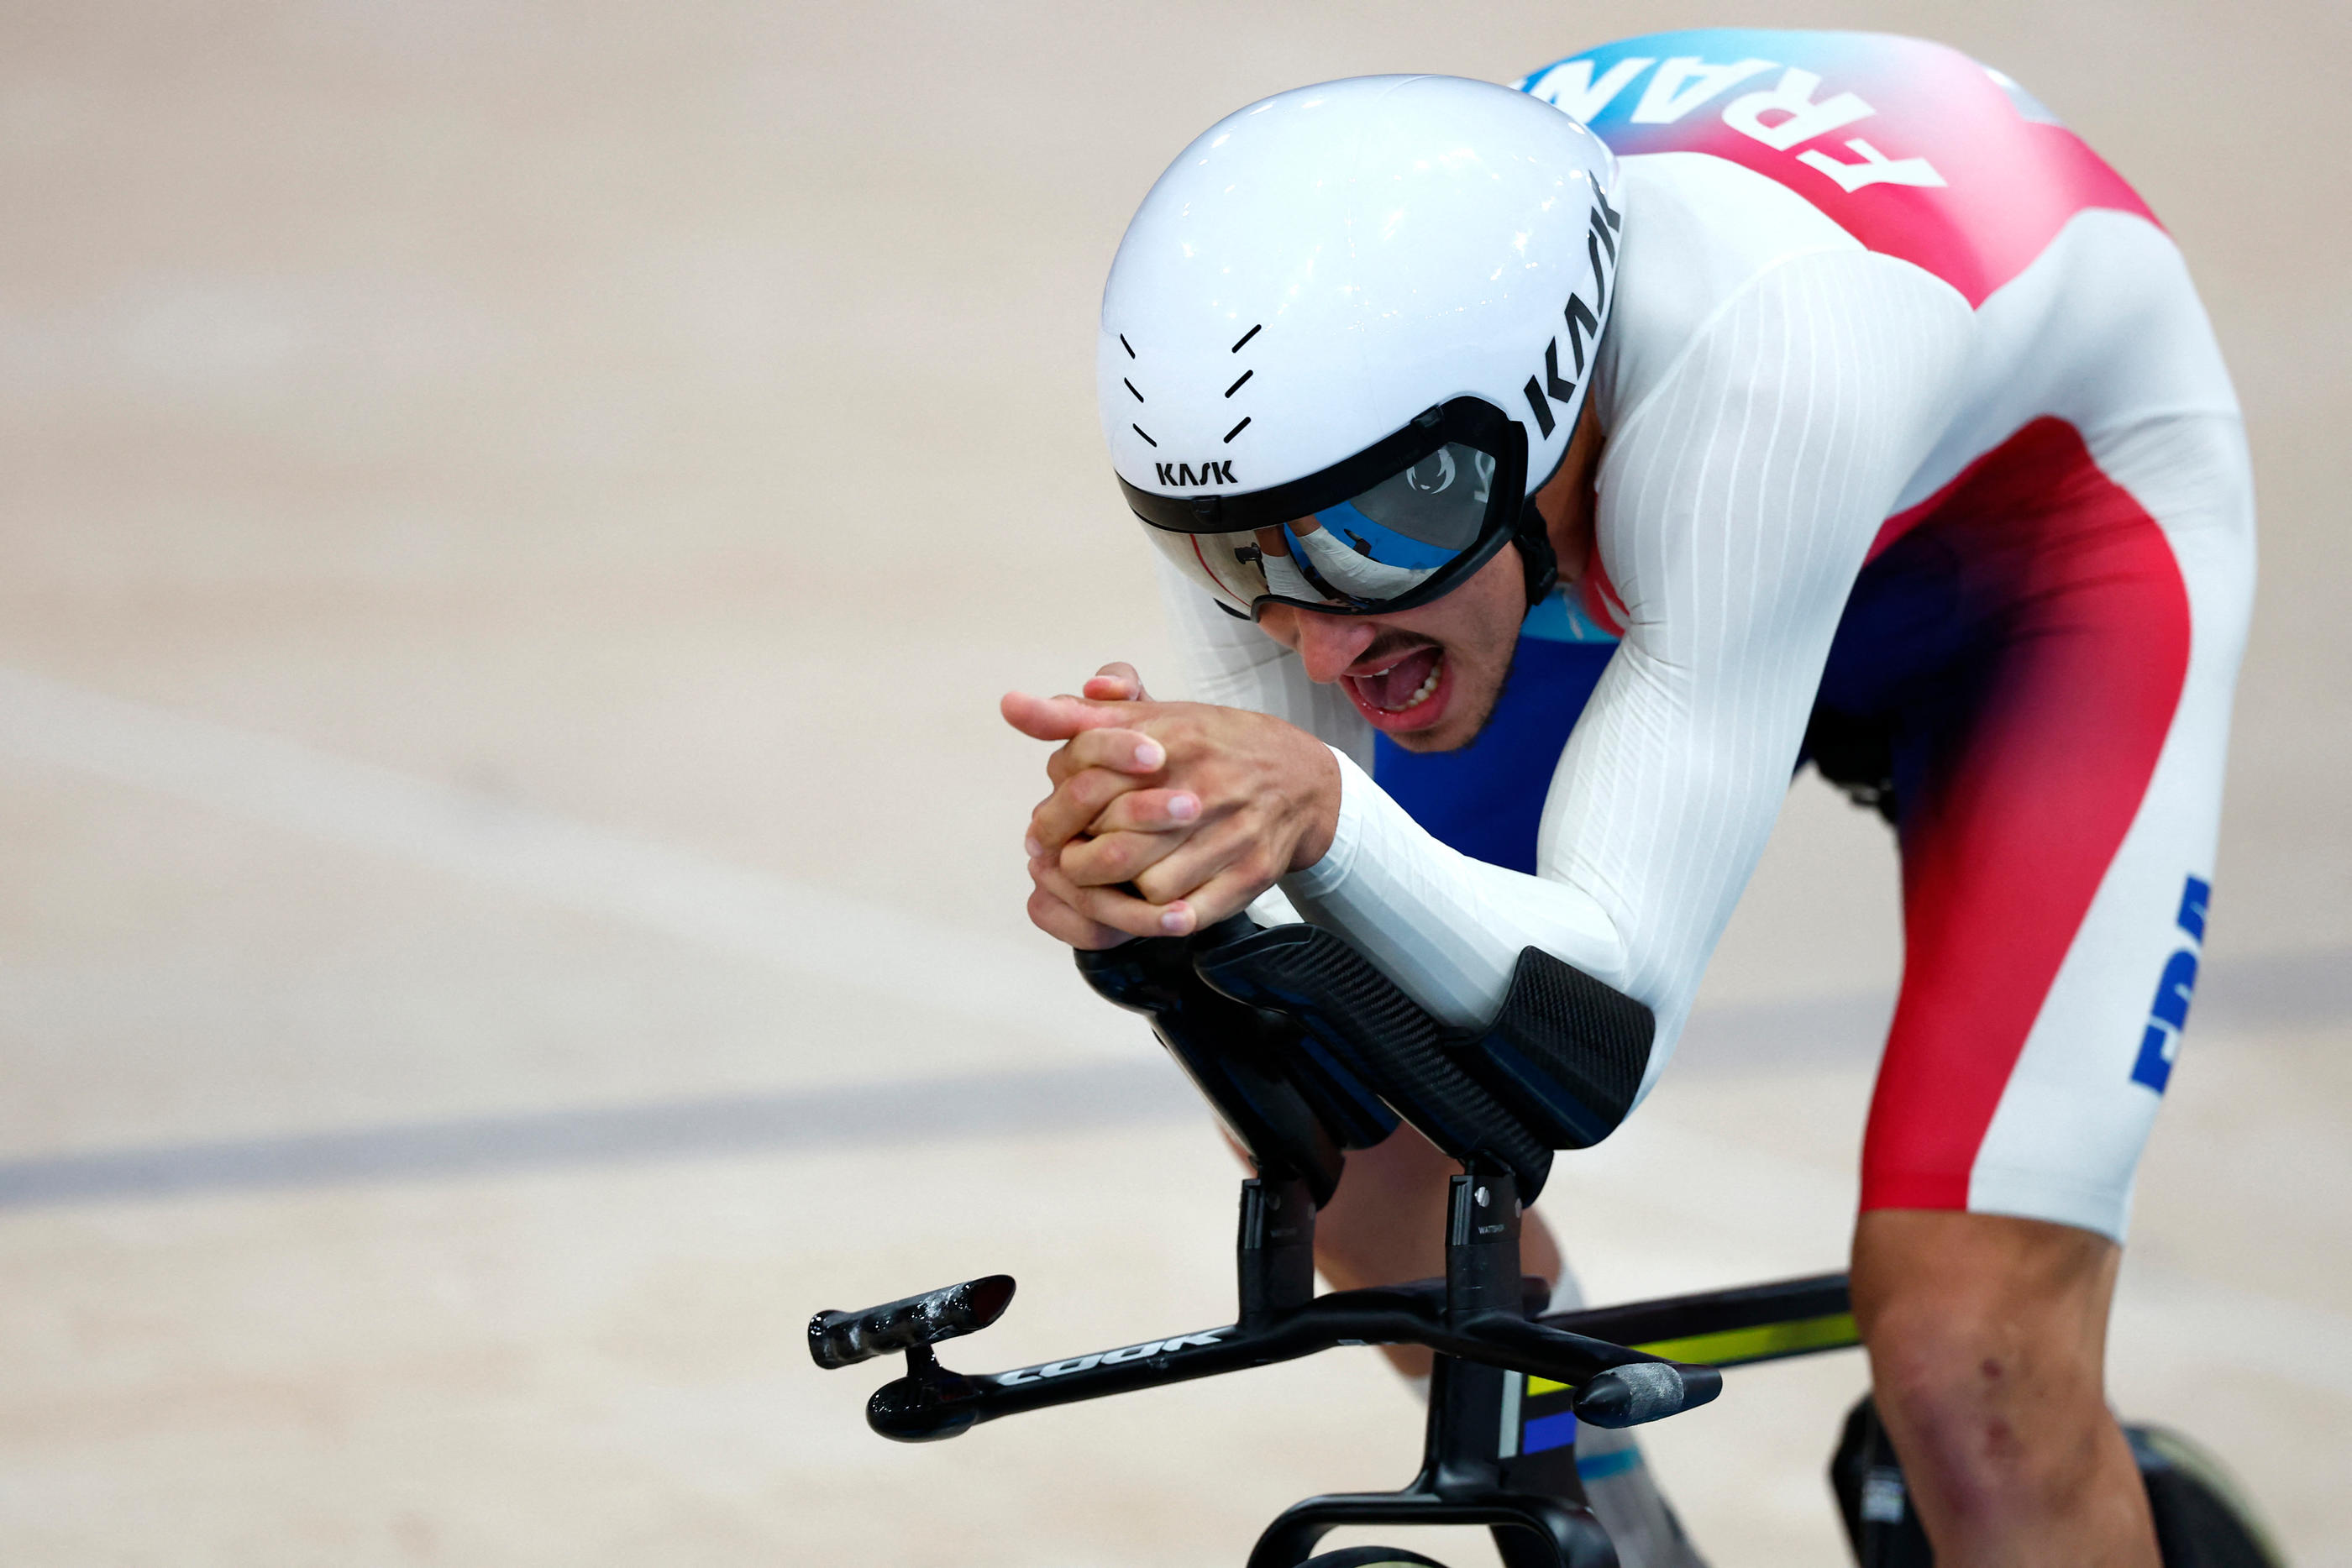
(1826, 397)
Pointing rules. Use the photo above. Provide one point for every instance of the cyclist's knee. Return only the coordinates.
(1986, 1421)
(1985, 1338)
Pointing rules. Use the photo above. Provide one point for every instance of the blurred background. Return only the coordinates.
(513, 522)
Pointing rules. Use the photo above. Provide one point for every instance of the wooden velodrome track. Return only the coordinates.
(515, 519)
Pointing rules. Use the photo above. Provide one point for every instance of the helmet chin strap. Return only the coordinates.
(1537, 558)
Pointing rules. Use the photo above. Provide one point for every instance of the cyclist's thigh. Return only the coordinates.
(2060, 791)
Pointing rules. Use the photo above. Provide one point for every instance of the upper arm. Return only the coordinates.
(1738, 503)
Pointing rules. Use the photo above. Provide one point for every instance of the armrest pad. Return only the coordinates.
(1343, 1001)
(1567, 1052)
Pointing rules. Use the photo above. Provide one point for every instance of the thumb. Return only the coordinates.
(1116, 682)
(1058, 718)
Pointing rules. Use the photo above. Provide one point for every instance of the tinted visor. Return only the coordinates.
(1398, 525)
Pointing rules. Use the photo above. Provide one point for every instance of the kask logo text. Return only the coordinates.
(1582, 320)
(1182, 473)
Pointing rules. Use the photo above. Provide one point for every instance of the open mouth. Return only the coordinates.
(1402, 694)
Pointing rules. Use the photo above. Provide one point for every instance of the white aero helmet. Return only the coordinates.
(1348, 335)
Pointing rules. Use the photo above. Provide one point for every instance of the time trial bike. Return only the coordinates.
(1305, 1049)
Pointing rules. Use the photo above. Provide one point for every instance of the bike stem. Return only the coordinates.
(1482, 1247)
(1275, 1257)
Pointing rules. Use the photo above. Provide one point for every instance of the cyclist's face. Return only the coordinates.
(1427, 677)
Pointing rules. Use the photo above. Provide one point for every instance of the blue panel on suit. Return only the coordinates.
(1486, 800)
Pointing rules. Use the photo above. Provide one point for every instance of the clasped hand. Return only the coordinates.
(1165, 817)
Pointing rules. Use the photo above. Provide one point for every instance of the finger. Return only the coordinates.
(1063, 923)
(1057, 719)
(1111, 907)
(1226, 848)
(1116, 682)
(1116, 858)
(1076, 801)
(1125, 914)
(1227, 893)
(1147, 812)
(1121, 750)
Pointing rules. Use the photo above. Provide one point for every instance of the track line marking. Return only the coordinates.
(1082, 1097)
(836, 936)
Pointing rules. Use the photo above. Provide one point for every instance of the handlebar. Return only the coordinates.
(1615, 1387)
(1306, 1049)
(843, 1339)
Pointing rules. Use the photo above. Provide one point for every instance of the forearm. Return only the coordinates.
(1447, 928)
(1644, 856)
